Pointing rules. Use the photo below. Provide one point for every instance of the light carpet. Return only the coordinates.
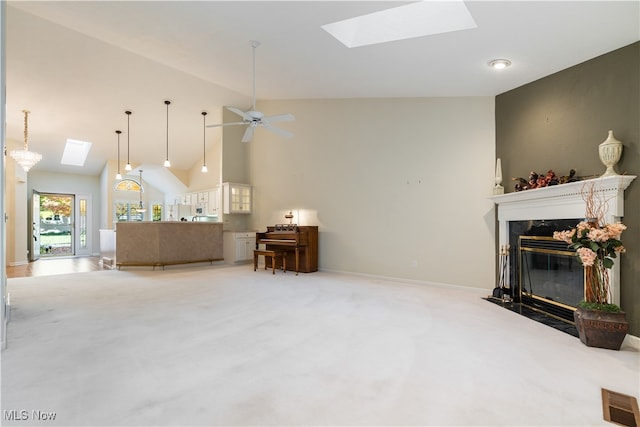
(218, 345)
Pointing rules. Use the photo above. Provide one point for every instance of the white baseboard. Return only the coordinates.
(17, 263)
(631, 341)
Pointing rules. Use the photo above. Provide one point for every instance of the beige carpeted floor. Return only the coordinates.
(216, 345)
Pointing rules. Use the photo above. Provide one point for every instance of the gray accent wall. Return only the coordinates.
(558, 122)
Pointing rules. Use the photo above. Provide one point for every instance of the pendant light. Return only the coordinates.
(167, 163)
(118, 175)
(141, 208)
(128, 165)
(204, 142)
(26, 158)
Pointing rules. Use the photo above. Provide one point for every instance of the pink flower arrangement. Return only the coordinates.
(596, 246)
(592, 241)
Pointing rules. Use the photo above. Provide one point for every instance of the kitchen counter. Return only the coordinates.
(161, 243)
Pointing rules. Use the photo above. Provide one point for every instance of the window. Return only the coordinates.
(127, 211)
(156, 212)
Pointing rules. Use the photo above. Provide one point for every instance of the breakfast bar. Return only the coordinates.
(161, 243)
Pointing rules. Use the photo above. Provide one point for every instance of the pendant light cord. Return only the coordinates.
(128, 113)
(167, 102)
(118, 132)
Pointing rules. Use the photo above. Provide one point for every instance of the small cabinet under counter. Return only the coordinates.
(238, 246)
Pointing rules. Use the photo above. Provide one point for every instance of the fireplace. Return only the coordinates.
(539, 212)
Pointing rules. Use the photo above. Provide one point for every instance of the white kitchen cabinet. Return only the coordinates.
(203, 202)
(238, 246)
(236, 198)
(213, 202)
(203, 197)
(202, 205)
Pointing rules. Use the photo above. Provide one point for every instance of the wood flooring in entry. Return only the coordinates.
(53, 266)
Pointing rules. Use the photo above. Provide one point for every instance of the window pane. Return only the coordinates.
(156, 211)
(82, 217)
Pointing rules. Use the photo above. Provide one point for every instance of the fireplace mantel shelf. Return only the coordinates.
(572, 189)
(563, 200)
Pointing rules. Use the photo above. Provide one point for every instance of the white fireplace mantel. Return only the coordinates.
(564, 201)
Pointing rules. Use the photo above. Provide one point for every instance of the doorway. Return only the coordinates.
(55, 215)
(61, 225)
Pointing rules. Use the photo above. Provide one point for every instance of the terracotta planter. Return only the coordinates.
(601, 329)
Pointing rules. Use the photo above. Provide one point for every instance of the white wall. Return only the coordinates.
(17, 252)
(199, 180)
(398, 187)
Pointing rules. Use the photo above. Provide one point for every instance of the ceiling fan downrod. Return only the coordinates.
(254, 45)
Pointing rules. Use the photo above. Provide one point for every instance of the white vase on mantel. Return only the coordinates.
(610, 152)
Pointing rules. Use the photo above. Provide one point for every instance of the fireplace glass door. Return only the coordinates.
(551, 277)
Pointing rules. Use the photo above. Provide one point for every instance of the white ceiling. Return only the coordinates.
(78, 65)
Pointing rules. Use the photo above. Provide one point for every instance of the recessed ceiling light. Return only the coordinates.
(499, 64)
(404, 22)
(75, 152)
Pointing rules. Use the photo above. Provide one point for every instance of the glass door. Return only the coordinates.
(56, 225)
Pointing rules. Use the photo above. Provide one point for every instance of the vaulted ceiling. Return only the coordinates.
(78, 65)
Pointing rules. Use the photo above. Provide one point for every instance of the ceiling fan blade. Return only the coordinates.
(248, 134)
(279, 131)
(226, 124)
(240, 113)
(280, 118)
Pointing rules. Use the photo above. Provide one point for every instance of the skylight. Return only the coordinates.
(419, 19)
(75, 152)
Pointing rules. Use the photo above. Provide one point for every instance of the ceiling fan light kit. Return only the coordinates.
(253, 118)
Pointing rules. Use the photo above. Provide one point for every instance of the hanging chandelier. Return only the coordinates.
(141, 208)
(26, 158)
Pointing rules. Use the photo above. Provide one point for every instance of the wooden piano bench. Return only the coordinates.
(273, 255)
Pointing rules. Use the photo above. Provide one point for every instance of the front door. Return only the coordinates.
(56, 217)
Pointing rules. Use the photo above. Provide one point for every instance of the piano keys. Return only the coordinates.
(300, 244)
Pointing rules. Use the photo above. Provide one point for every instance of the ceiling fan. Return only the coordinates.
(253, 118)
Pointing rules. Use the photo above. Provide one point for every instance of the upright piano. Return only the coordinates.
(298, 242)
